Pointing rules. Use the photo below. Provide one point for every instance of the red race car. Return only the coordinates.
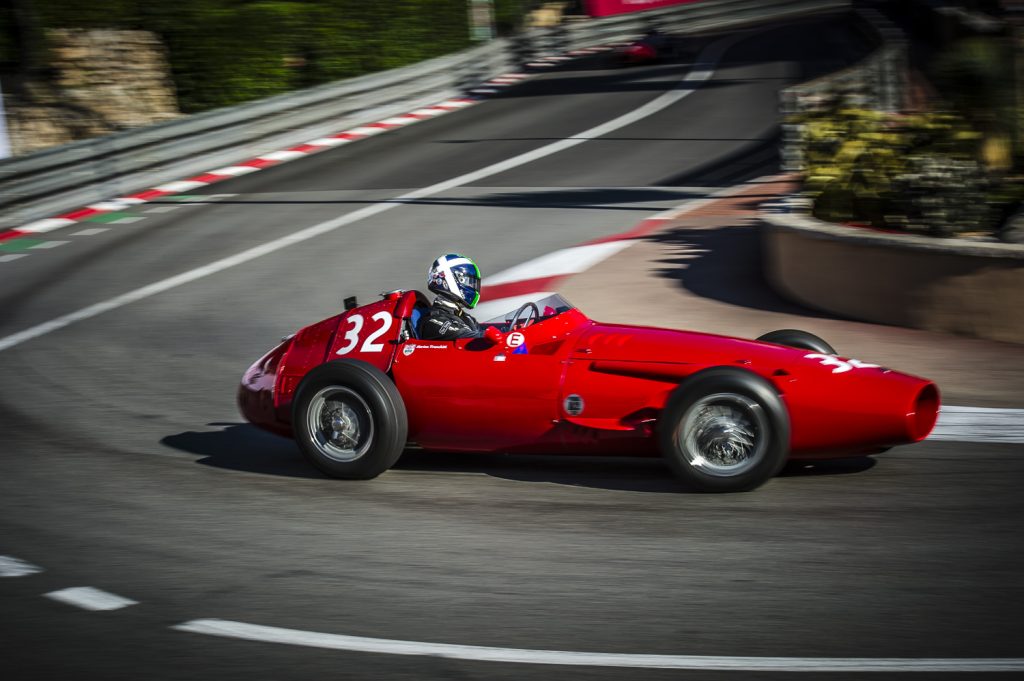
(653, 47)
(725, 413)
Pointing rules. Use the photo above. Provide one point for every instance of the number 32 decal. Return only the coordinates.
(841, 366)
(355, 326)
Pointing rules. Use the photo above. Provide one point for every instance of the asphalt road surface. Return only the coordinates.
(126, 468)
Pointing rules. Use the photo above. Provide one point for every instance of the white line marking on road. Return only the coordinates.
(90, 231)
(979, 424)
(163, 209)
(88, 598)
(127, 220)
(13, 256)
(47, 225)
(180, 186)
(707, 58)
(563, 262)
(15, 567)
(386, 646)
(430, 111)
(49, 244)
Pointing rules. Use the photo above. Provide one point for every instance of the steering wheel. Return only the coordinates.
(530, 318)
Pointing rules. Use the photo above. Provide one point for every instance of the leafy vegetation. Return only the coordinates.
(223, 52)
(919, 173)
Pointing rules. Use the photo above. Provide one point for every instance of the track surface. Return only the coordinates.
(125, 467)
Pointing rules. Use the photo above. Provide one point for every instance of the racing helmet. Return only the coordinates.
(456, 278)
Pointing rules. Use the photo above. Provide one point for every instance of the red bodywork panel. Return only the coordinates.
(482, 395)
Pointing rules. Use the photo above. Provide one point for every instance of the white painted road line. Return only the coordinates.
(979, 424)
(88, 598)
(15, 567)
(13, 256)
(127, 220)
(255, 632)
(705, 63)
(49, 244)
(163, 209)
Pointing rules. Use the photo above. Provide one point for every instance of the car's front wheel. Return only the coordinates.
(724, 430)
(349, 420)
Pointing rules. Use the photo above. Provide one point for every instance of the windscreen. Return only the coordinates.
(549, 305)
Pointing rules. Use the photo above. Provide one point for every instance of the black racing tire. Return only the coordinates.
(795, 338)
(349, 420)
(724, 429)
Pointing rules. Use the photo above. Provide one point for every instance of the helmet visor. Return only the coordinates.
(469, 285)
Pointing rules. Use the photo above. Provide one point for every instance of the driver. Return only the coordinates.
(456, 281)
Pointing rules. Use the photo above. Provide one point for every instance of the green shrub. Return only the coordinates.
(906, 172)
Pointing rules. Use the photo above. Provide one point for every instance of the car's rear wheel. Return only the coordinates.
(795, 338)
(349, 420)
(724, 430)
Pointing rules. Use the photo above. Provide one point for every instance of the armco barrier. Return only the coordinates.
(48, 182)
(948, 285)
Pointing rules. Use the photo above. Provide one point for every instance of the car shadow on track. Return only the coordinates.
(620, 474)
(245, 448)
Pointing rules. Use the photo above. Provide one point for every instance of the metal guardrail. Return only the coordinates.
(66, 177)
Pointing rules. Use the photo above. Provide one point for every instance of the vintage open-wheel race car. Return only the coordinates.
(726, 413)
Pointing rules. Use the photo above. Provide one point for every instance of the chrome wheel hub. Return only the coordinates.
(340, 423)
(724, 434)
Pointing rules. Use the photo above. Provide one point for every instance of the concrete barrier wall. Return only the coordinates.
(948, 285)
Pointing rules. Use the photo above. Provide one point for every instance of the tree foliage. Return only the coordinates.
(223, 52)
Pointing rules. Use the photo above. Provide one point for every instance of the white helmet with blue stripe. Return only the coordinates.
(456, 278)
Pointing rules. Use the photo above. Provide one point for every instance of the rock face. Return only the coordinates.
(102, 81)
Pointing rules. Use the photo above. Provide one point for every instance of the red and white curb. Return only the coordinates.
(536, 278)
(273, 158)
(244, 168)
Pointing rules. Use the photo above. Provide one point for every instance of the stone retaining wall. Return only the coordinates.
(103, 81)
(948, 285)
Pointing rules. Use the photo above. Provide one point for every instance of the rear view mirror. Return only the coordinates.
(350, 303)
(492, 334)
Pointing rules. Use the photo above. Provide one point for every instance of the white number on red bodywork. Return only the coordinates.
(840, 365)
(355, 323)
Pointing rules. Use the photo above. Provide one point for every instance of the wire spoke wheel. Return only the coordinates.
(724, 434)
(724, 429)
(340, 423)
